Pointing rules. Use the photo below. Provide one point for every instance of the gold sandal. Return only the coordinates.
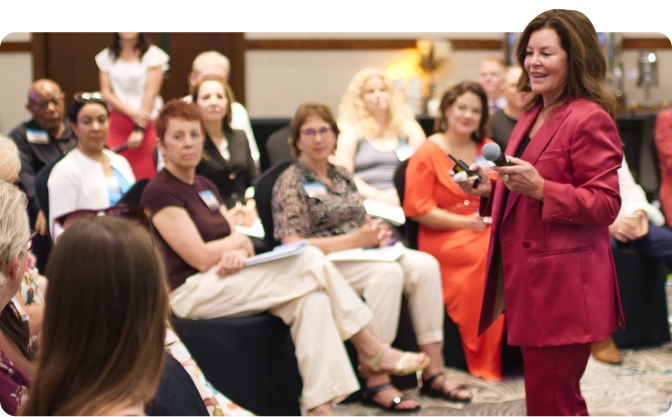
(406, 365)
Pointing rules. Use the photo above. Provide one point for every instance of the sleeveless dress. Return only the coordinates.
(462, 254)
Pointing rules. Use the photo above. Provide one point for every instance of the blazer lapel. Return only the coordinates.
(210, 147)
(537, 144)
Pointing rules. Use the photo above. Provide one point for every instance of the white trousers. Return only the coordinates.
(309, 295)
(417, 276)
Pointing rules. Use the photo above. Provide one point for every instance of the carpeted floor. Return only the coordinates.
(641, 386)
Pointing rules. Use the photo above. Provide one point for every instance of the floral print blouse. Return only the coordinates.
(304, 206)
(12, 386)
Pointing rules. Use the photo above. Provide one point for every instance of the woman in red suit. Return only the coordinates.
(549, 262)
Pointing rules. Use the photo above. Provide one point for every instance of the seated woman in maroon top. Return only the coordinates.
(205, 259)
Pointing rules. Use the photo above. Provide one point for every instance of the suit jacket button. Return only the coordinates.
(532, 203)
(526, 245)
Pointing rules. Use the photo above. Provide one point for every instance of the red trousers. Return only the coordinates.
(140, 158)
(552, 376)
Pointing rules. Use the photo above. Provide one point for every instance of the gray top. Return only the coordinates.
(374, 167)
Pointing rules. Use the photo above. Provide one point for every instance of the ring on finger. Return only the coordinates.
(620, 230)
(505, 177)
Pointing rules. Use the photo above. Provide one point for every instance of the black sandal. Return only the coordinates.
(450, 395)
(369, 393)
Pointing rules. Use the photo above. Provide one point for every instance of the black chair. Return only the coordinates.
(453, 351)
(263, 194)
(277, 146)
(41, 188)
(249, 359)
(641, 283)
(132, 196)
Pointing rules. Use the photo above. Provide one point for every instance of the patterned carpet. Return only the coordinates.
(641, 386)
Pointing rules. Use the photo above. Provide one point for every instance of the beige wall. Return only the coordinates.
(16, 75)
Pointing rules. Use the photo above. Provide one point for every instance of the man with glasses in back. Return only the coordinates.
(41, 140)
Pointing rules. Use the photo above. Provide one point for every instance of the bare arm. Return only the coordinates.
(152, 88)
(416, 136)
(346, 149)
(181, 234)
(111, 98)
(374, 233)
(440, 219)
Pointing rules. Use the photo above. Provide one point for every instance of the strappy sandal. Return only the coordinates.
(406, 365)
(369, 393)
(451, 395)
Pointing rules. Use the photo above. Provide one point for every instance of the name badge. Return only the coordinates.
(403, 152)
(210, 199)
(314, 189)
(37, 136)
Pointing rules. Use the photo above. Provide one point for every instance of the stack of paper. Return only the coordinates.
(393, 214)
(281, 251)
(256, 230)
(386, 254)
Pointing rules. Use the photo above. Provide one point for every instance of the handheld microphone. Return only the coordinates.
(493, 153)
(461, 166)
(120, 148)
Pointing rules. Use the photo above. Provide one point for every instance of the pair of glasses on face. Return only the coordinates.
(325, 132)
(43, 104)
(29, 244)
(86, 97)
(137, 215)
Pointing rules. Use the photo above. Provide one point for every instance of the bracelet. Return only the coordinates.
(138, 128)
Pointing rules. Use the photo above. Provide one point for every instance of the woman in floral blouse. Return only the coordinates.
(316, 200)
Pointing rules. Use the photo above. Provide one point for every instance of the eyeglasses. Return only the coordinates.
(86, 97)
(325, 132)
(29, 244)
(43, 104)
(137, 215)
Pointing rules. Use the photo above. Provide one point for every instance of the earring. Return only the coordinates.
(444, 124)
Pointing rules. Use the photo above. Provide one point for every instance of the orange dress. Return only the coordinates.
(462, 254)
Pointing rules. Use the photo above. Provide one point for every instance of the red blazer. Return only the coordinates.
(554, 257)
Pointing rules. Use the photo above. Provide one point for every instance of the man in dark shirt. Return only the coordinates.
(503, 121)
(41, 140)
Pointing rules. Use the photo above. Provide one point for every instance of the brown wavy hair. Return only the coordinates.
(586, 63)
(102, 341)
(449, 97)
(304, 111)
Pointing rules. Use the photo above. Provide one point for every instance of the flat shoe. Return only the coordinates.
(451, 395)
(369, 393)
(406, 365)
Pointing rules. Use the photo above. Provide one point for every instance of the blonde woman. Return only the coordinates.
(378, 132)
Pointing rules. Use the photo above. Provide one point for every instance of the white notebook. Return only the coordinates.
(394, 215)
(386, 254)
(256, 230)
(281, 251)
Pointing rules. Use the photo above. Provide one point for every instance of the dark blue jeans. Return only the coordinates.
(657, 244)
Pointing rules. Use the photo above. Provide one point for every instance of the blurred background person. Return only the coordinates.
(502, 121)
(226, 159)
(90, 176)
(15, 243)
(131, 74)
(663, 138)
(451, 229)
(214, 63)
(490, 76)
(41, 140)
(378, 131)
(101, 347)
(318, 201)
(639, 225)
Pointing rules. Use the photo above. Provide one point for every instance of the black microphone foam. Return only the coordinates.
(493, 153)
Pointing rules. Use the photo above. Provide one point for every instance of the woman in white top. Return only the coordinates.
(131, 73)
(378, 131)
(89, 176)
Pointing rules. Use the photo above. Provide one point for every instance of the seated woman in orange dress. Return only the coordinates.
(450, 227)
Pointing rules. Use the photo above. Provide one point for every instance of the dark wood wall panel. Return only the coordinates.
(359, 44)
(69, 59)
